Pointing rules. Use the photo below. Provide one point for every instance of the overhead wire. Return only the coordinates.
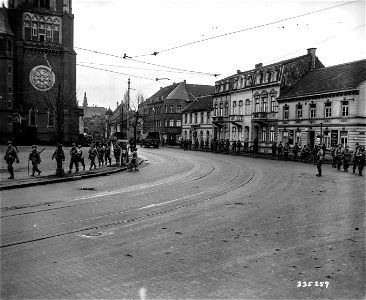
(155, 53)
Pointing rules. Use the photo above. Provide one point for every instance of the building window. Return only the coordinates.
(215, 110)
(9, 104)
(185, 119)
(34, 30)
(344, 138)
(195, 118)
(208, 117)
(171, 122)
(264, 134)
(298, 137)
(328, 110)
(240, 107)
(312, 111)
(9, 70)
(247, 107)
(273, 104)
(157, 110)
(190, 119)
(221, 107)
(256, 105)
(201, 121)
(264, 104)
(272, 134)
(345, 109)
(226, 109)
(179, 123)
(179, 108)
(234, 133)
(51, 120)
(299, 112)
(32, 117)
(166, 122)
(285, 112)
(326, 139)
(171, 108)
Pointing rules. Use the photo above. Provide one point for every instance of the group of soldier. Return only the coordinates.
(100, 152)
(341, 156)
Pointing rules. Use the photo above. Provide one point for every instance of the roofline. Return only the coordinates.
(319, 94)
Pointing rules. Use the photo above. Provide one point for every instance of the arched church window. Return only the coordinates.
(32, 116)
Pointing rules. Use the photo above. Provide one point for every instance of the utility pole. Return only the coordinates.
(128, 108)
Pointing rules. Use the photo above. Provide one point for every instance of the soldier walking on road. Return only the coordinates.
(35, 158)
(59, 154)
(274, 149)
(338, 155)
(74, 158)
(11, 155)
(355, 158)
(319, 159)
(286, 150)
(81, 156)
(117, 153)
(92, 155)
(360, 159)
(238, 146)
(107, 155)
(346, 157)
(279, 150)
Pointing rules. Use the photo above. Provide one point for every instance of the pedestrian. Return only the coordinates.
(134, 162)
(286, 150)
(346, 157)
(355, 158)
(295, 150)
(319, 159)
(233, 147)
(274, 149)
(35, 158)
(81, 156)
(238, 146)
(338, 155)
(59, 154)
(361, 159)
(107, 154)
(117, 153)
(74, 158)
(11, 155)
(93, 153)
(101, 151)
(279, 150)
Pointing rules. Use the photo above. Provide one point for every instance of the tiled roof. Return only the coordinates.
(4, 25)
(181, 91)
(330, 79)
(200, 104)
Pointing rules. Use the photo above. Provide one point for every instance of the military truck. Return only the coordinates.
(150, 139)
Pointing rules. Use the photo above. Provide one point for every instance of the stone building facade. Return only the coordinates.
(197, 120)
(326, 106)
(245, 104)
(43, 88)
(163, 111)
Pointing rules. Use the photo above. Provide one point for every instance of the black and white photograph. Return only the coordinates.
(182, 149)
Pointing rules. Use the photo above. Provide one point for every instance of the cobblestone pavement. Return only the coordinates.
(188, 225)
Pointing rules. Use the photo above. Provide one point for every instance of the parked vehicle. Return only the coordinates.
(151, 139)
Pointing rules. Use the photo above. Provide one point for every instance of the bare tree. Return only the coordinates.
(137, 116)
(59, 102)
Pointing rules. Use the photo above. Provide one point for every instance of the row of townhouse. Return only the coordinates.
(296, 101)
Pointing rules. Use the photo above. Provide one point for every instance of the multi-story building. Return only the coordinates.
(245, 105)
(326, 106)
(163, 111)
(197, 120)
(40, 71)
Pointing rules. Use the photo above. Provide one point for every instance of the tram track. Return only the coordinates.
(135, 213)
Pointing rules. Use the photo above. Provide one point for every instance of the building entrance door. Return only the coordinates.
(312, 138)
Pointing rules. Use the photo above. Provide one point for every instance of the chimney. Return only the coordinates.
(311, 51)
(238, 71)
(117, 104)
(258, 65)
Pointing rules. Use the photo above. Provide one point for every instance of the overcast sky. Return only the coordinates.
(141, 27)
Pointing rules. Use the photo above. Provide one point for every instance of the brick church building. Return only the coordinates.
(38, 72)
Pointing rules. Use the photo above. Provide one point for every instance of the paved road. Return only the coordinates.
(188, 225)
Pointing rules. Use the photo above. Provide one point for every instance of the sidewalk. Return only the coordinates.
(48, 168)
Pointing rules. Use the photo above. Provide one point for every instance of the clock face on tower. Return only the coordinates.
(42, 78)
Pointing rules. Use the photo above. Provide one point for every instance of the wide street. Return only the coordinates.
(189, 224)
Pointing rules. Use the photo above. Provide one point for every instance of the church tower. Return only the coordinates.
(44, 67)
(85, 101)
